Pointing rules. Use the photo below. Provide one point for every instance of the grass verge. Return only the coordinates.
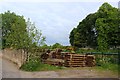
(109, 66)
(35, 65)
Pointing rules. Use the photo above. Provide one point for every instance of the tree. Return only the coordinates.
(45, 46)
(100, 29)
(57, 45)
(18, 34)
(34, 40)
(34, 34)
(13, 30)
(107, 24)
(85, 33)
(71, 37)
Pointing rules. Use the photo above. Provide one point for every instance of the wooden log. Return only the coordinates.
(75, 61)
(78, 64)
(74, 65)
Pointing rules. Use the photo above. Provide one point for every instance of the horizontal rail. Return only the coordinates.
(103, 53)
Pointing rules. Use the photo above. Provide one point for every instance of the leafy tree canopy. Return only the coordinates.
(57, 45)
(19, 34)
(100, 29)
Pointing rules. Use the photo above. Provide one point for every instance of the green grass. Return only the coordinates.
(36, 65)
(109, 66)
(46, 67)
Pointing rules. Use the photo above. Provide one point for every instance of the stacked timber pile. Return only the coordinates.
(67, 59)
(64, 54)
(90, 60)
(75, 60)
(44, 57)
(55, 62)
(53, 54)
(58, 53)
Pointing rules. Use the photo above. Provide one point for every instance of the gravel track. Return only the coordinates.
(10, 70)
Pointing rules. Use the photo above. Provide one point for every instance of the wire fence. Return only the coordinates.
(105, 57)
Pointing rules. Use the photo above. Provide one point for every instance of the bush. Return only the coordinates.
(31, 65)
(36, 65)
(110, 66)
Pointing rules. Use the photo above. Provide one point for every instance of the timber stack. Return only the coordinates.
(75, 60)
(55, 62)
(68, 59)
(90, 60)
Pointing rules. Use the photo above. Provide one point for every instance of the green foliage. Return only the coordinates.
(85, 34)
(46, 67)
(35, 39)
(107, 26)
(31, 65)
(45, 46)
(98, 30)
(109, 66)
(13, 30)
(56, 45)
(19, 34)
(36, 65)
(34, 34)
(80, 51)
(72, 36)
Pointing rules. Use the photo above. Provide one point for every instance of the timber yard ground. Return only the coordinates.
(10, 70)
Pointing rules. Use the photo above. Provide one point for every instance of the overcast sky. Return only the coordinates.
(55, 19)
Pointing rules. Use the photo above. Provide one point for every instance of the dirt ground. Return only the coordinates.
(10, 70)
